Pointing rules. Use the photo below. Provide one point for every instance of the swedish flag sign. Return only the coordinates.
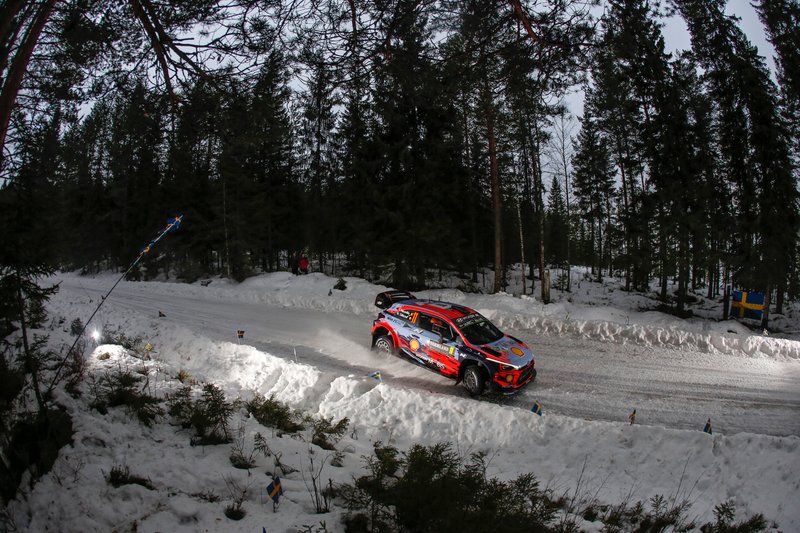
(274, 489)
(707, 428)
(537, 408)
(747, 305)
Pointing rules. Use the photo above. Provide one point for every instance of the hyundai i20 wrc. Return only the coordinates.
(452, 340)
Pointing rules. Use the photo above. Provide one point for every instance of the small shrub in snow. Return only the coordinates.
(234, 511)
(320, 495)
(270, 412)
(341, 284)
(181, 406)
(124, 388)
(115, 336)
(337, 459)
(322, 528)
(326, 434)
(261, 445)
(433, 489)
(75, 327)
(238, 495)
(725, 513)
(210, 417)
(185, 378)
(121, 475)
(239, 457)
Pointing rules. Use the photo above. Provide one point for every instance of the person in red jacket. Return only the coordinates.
(303, 264)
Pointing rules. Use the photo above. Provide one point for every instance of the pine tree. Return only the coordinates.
(593, 185)
(135, 166)
(781, 18)
(754, 145)
(274, 209)
(190, 185)
(318, 154)
(557, 225)
(617, 98)
(84, 198)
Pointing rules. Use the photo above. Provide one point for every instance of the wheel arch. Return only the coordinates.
(473, 362)
(381, 331)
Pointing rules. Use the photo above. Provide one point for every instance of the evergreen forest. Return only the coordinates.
(396, 138)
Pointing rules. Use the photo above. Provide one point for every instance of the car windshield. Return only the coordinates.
(477, 330)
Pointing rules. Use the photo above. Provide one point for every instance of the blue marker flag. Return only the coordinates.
(174, 223)
(707, 428)
(274, 489)
(537, 408)
(376, 375)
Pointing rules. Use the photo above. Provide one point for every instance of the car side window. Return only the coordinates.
(437, 326)
(424, 322)
(448, 334)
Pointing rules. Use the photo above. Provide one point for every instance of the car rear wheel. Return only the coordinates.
(473, 380)
(384, 344)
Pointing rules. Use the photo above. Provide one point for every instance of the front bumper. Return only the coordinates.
(512, 382)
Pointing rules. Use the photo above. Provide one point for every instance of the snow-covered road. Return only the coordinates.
(579, 376)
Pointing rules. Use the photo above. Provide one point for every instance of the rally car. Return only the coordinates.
(452, 340)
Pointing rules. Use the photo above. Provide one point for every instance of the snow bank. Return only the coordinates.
(757, 473)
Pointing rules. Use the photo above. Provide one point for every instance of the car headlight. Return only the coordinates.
(507, 368)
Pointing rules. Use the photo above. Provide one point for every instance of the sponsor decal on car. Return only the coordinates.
(465, 321)
(425, 358)
(442, 348)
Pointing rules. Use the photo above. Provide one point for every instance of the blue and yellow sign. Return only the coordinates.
(275, 490)
(747, 305)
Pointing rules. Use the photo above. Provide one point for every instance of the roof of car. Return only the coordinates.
(449, 310)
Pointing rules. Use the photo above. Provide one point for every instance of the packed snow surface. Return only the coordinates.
(308, 344)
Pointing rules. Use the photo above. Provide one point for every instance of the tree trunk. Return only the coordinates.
(521, 245)
(31, 366)
(19, 65)
(497, 202)
(546, 286)
(537, 196)
(627, 215)
(767, 302)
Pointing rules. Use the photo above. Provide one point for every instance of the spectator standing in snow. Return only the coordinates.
(303, 264)
(293, 261)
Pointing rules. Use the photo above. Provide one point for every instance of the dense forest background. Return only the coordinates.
(395, 138)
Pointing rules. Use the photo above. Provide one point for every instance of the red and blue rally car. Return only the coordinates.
(453, 340)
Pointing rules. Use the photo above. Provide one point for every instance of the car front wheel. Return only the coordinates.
(473, 380)
(384, 344)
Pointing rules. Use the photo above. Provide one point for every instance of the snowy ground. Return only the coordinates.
(598, 357)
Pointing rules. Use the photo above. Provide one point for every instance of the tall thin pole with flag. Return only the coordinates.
(172, 224)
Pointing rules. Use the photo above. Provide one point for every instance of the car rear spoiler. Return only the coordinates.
(386, 299)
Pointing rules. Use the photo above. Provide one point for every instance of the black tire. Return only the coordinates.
(384, 344)
(473, 380)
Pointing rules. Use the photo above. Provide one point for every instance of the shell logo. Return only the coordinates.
(516, 351)
(414, 344)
